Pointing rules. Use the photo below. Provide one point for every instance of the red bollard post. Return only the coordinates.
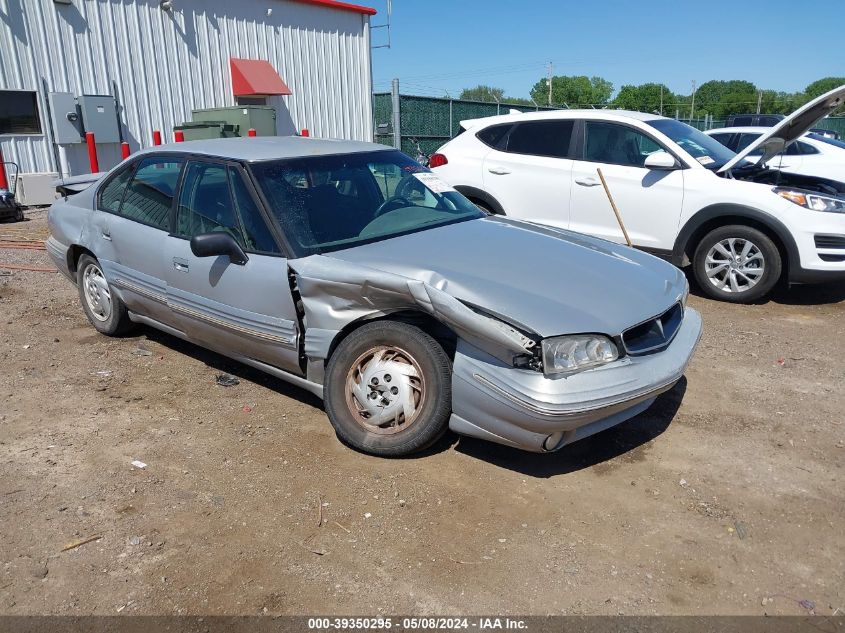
(156, 137)
(251, 132)
(92, 152)
(4, 182)
(179, 136)
(305, 132)
(124, 150)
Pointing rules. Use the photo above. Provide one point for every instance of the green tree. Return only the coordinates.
(646, 98)
(574, 91)
(821, 86)
(722, 98)
(483, 93)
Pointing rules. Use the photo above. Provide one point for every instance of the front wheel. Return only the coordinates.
(737, 263)
(389, 389)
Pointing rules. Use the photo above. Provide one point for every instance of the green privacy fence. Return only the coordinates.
(431, 121)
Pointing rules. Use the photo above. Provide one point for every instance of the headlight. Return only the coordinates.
(813, 201)
(570, 354)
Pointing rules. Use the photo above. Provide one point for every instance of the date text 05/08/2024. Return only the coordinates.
(415, 623)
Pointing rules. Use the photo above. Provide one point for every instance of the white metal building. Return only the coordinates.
(161, 59)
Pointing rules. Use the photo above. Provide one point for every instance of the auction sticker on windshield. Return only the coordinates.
(433, 182)
(705, 160)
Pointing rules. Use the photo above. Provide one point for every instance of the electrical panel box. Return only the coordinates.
(66, 119)
(99, 116)
(203, 130)
(260, 118)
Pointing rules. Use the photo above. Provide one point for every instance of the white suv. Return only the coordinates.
(681, 194)
(813, 154)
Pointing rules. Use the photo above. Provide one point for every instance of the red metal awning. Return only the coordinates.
(256, 77)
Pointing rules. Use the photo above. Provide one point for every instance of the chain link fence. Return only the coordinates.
(431, 121)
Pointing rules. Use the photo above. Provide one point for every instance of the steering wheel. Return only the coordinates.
(391, 205)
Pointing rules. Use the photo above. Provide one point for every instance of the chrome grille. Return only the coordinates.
(655, 334)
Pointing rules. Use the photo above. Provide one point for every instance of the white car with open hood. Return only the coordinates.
(742, 225)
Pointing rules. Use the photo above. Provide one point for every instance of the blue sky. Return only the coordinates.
(446, 45)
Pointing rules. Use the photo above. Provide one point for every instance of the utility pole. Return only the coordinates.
(692, 105)
(661, 99)
(551, 66)
(759, 100)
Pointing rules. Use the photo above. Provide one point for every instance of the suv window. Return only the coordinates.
(149, 196)
(494, 134)
(541, 138)
(617, 144)
(724, 138)
(111, 195)
(743, 120)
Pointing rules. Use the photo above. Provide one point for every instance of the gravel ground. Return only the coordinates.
(726, 497)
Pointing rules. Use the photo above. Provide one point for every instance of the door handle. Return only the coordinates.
(499, 171)
(589, 181)
(180, 264)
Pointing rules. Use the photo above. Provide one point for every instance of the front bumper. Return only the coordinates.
(525, 409)
(818, 263)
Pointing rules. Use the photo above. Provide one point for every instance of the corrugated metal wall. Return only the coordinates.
(167, 63)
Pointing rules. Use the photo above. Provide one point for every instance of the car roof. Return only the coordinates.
(546, 115)
(258, 148)
(741, 129)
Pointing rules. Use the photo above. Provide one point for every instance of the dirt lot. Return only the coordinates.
(726, 497)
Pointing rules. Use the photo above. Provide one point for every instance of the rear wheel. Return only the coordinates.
(737, 263)
(389, 389)
(104, 309)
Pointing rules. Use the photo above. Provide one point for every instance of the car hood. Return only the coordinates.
(541, 279)
(791, 128)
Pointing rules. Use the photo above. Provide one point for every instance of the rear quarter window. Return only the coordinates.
(494, 135)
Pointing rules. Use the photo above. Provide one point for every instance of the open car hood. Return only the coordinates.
(791, 128)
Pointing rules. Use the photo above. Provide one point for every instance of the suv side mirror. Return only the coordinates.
(220, 243)
(660, 160)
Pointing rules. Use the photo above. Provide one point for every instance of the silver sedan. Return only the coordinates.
(350, 270)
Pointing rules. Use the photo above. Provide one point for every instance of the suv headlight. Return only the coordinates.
(571, 354)
(813, 201)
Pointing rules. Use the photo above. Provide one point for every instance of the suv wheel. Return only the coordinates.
(389, 389)
(736, 263)
(104, 309)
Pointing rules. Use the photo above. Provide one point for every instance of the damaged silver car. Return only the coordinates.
(350, 270)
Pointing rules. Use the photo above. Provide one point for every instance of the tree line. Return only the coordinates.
(716, 98)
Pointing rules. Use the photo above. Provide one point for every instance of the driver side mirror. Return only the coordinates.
(220, 243)
(660, 159)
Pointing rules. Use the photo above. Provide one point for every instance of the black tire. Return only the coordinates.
(431, 410)
(763, 253)
(484, 207)
(116, 319)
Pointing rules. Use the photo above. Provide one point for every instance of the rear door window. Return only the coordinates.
(542, 138)
(149, 196)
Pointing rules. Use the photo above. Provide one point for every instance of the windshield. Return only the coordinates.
(826, 139)
(327, 203)
(706, 150)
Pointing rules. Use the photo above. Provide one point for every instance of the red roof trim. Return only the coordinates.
(343, 6)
